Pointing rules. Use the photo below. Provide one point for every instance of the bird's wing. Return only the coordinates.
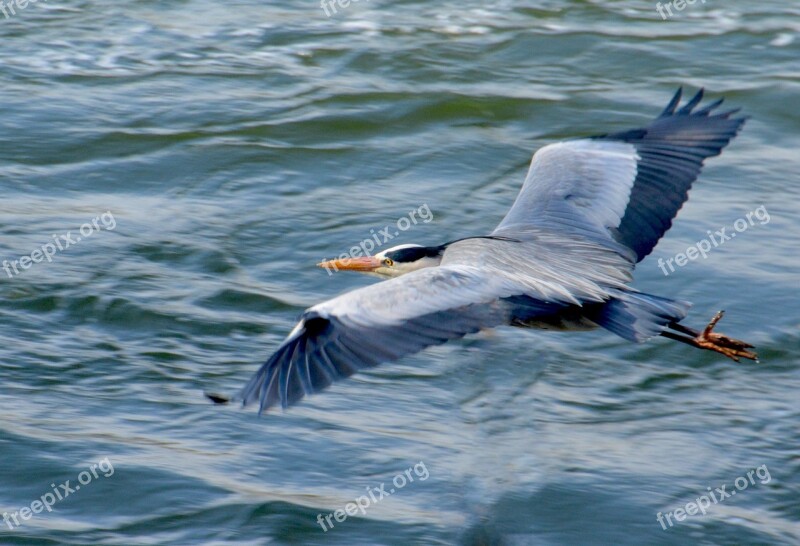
(548, 264)
(627, 185)
(383, 322)
(579, 184)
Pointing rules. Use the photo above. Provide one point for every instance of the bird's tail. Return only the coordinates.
(638, 317)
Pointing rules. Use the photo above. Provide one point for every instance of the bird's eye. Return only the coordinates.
(388, 262)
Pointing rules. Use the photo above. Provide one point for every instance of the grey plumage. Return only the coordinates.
(588, 211)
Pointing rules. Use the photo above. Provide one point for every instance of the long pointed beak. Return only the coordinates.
(364, 263)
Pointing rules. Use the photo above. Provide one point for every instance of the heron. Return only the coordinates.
(590, 209)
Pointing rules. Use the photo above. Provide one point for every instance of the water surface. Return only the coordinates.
(235, 144)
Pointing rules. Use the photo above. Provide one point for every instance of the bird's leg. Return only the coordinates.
(684, 329)
(707, 339)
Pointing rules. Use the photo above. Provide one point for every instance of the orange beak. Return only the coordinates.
(364, 263)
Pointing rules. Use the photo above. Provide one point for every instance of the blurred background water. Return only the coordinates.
(235, 144)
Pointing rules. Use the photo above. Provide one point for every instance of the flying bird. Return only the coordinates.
(589, 210)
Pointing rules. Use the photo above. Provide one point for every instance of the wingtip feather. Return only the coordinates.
(673, 104)
(687, 109)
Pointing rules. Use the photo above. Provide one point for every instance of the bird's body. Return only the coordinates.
(563, 256)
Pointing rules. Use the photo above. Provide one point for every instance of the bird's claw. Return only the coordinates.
(732, 348)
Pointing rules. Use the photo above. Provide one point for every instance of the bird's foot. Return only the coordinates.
(732, 348)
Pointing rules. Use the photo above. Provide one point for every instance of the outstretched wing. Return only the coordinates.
(383, 322)
(628, 185)
(580, 184)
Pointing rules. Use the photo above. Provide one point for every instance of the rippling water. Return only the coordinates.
(235, 144)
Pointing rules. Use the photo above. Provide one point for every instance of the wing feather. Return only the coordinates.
(588, 210)
(627, 186)
(381, 323)
(672, 151)
(583, 183)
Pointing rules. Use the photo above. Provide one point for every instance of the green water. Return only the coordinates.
(236, 144)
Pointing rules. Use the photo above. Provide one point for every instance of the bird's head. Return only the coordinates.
(391, 262)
